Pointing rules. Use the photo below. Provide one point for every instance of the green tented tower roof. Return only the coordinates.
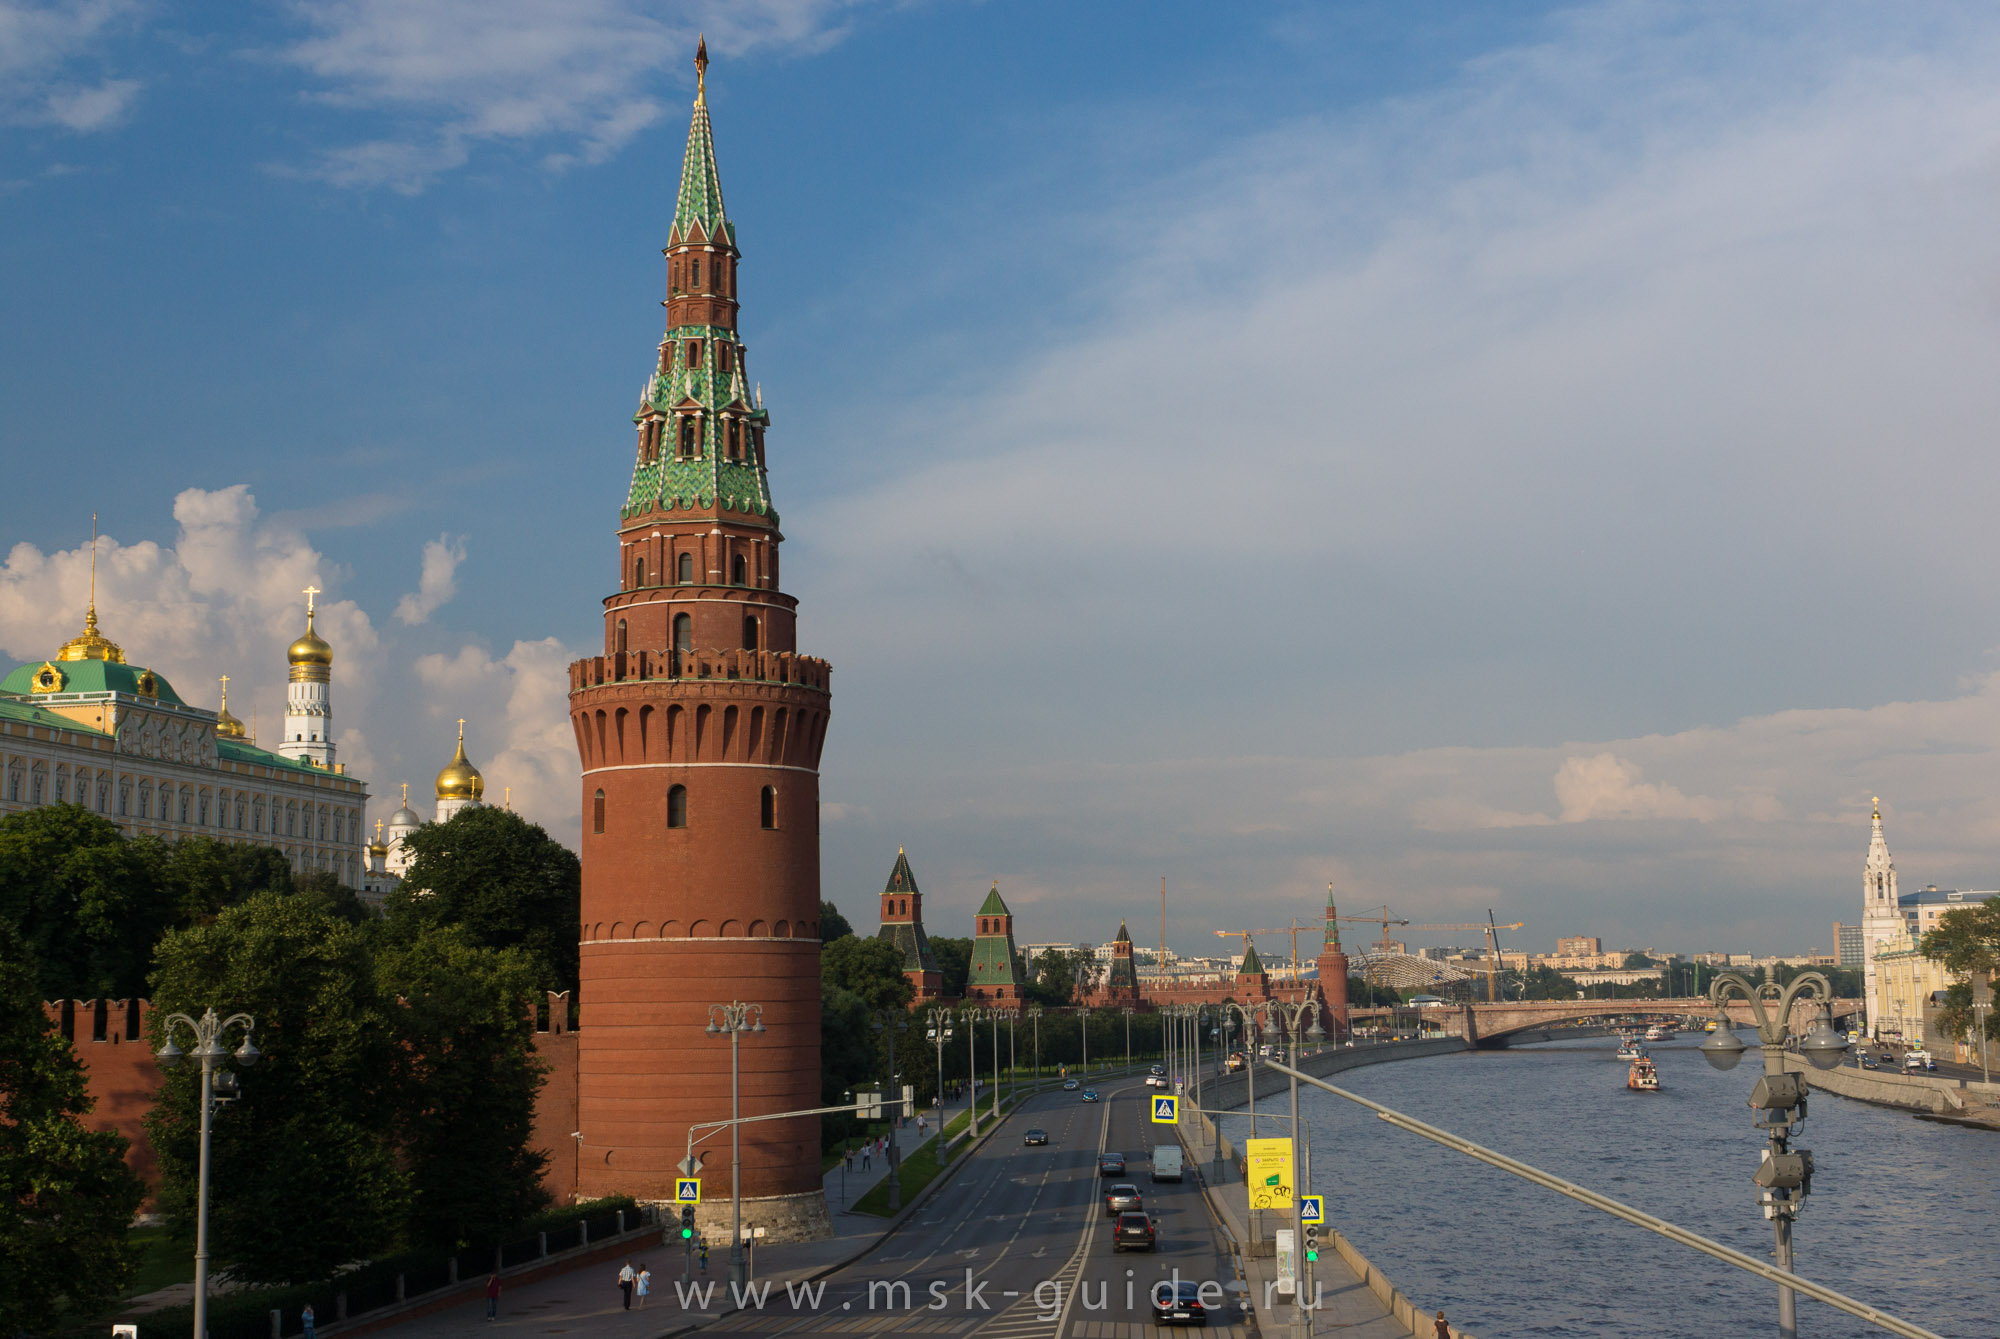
(993, 906)
(1252, 964)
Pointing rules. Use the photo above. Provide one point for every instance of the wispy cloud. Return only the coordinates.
(437, 583)
(576, 79)
(47, 55)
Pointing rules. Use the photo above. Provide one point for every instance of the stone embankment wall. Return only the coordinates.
(1233, 1092)
(1907, 1092)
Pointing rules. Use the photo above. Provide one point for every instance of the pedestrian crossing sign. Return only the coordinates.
(1166, 1110)
(687, 1190)
(1312, 1209)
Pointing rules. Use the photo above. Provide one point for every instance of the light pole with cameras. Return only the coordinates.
(735, 1019)
(938, 1020)
(215, 1088)
(889, 1022)
(969, 1016)
(1784, 1177)
(1035, 1021)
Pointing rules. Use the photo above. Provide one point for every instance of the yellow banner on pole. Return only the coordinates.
(1270, 1175)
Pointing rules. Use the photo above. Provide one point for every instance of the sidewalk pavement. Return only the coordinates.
(1347, 1306)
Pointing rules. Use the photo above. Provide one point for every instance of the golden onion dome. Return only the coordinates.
(92, 645)
(460, 780)
(378, 849)
(310, 649)
(226, 724)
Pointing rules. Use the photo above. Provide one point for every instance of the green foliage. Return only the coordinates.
(849, 1057)
(301, 1176)
(85, 900)
(502, 878)
(1058, 975)
(465, 1076)
(1546, 983)
(954, 960)
(832, 925)
(1636, 959)
(66, 1195)
(1966, 939)
(200, 877)
(1362, 995)
(870, 968)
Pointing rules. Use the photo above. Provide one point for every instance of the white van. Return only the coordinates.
(1166, 1162)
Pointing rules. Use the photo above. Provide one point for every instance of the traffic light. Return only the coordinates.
(1312, 1243)
(687, 1222)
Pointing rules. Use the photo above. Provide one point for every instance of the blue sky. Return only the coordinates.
(1502, 455)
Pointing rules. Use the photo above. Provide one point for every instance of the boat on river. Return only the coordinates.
(1642, 1077)
(1630, 1049)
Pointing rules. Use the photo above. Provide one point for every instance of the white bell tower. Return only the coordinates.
(309, 696)
(1881, 912)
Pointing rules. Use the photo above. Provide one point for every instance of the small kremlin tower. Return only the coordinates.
(1333, 974)
(903, 926)
(1121, 983)
(995, 973)
(700, 728)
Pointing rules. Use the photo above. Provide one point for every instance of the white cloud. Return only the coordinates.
(522, 740)
(437, 583)
(1606, 786)
(583, 74)
(44, 47)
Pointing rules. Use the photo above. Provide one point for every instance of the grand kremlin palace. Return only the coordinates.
(87, 727)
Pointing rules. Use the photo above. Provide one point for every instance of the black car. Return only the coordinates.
(1133, 1232)
(1178, 1305)
(1036, 1137)
(1111, 1164)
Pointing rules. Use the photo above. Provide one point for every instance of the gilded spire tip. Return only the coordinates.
(701, 69)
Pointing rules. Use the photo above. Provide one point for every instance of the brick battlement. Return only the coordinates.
(772, 667)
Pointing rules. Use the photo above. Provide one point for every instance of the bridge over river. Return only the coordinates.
(1489, 1023)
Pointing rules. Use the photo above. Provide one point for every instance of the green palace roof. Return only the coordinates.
(18, 709)
(1252, 964)
(94, 676)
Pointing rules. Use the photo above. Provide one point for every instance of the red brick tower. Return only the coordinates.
(903, 926)
(700, 729)
(1333, 974)
(1252, 981)
(1121, 982)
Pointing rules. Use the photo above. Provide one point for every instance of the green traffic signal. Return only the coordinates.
(686, 1232)
(1312, 1256)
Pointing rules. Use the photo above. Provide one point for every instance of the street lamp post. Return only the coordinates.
(1128, 1037)
(215, 1089)
(1979, 1008)
(1784, 1177)
(1035, 1020)
(1292, 1016)
(1083, 1026)
(735, 1019)
(994, 1014)
(1013, 1067)
(939, 1022)
(889, 1022)
(970, 1017)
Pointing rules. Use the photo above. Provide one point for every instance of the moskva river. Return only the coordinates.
(1904, 1214)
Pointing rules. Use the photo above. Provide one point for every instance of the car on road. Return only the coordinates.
(1036, 1137)
(1919, 1060)
(1111, 1164)
(1178, 1303)
(1123, 1197)
(1090, 1094)
(1155, 1081)
(1167, 1165)
(1133, 1232)
(1069, 1085)
(1158, 1069)
(1867, 1061)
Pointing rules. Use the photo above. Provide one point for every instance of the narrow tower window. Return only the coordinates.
(749, 632)
(686, 573)
(677, 807)
(683, 633)
(639, 573)
(770, 807)
(736, 570)
(687, 436)
(597, 813)
(695, 277)
(621, 636)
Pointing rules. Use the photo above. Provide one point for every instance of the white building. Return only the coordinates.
(1892, 923)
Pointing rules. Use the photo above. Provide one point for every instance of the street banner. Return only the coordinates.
(1270, 1173)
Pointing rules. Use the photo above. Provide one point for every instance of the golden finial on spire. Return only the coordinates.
(1878, 808)
(226, 725)
(701, 69)
(92, 645)
(406, 794)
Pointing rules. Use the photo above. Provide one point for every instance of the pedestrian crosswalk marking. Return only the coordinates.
(1166, 1111)
(687, 1190)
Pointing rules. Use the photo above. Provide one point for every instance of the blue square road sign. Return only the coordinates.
(687, 1190)
(1312, 1208)
(1166, 1111)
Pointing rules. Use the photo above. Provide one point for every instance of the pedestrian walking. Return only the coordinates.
(848, 1153)
(704, 1257)
(306, 1319)
(1443, 1330)
(645, 1284)
(492, 1295)
(867, 1151)
(626, 1277)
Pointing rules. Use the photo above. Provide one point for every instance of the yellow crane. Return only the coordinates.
(1292, 930)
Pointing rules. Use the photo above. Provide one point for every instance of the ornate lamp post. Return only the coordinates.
(735, 1019)
(970, 1016)
(1230, 1012)
(1784, 1178)
(994, 1014)
(1291, 1015)
(1128, 1037)
(939, 1022)
(1013, 1069)
(1035, 1020)
(215, 1088)
(1083, 1026)
(889, 1022)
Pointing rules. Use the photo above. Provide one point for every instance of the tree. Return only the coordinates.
(200, 877)
(1636, 959)
(832, 925)
(1966, 939)
(849, 1054)
(1055, 984)
(870, 969)
(84, 899)
(66, 1195)
(502, 878)
(954, 960)
(303, 1177)
(463, 1081)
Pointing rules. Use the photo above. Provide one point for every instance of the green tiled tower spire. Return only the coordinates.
(1123, 978)
(995, 972)
(701, 420)
(903, 927)
(1252, 964)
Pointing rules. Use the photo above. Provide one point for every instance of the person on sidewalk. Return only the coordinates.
(867, 1150)
(1443, 1330)
(644, 1284)
(492, 1296)
(306, 1319)
(848, 1153)
(704, 1257)
(626, 1277)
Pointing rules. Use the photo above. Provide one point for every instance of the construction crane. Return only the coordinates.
(1488, 927)
(1292, 930)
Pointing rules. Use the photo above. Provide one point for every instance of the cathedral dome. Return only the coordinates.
(227, 726)
(310, 649)
(460, 780)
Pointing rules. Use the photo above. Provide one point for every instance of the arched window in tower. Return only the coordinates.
(722, 359)
(735, 440)
(687, 436)
(768, 807)
(677, 807)
(694, 274)
(686, 573)
(621, 636)
(749, 630)
(683, 633)
(639, 573)
(597, 813)
(737, 568)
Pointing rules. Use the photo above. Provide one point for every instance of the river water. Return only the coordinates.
(1904, 1214)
